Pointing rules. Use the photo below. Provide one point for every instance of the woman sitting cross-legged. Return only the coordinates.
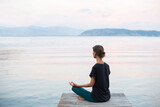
(99, 80)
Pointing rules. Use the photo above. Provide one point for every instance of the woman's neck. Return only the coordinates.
(99, 60)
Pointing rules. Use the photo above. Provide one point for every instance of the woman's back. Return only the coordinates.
(100, 90)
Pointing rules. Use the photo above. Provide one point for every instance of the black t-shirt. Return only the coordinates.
(100, 90)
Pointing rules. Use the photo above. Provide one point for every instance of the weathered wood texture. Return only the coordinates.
(116, 100)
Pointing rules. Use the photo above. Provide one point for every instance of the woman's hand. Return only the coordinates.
(73, 84)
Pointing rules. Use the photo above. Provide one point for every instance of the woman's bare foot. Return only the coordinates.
(80, 98)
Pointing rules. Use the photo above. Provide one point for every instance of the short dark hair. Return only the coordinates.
(99, 51)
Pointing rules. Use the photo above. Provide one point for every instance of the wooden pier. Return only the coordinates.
(116, 100)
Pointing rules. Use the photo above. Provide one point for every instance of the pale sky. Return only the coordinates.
(84, 14)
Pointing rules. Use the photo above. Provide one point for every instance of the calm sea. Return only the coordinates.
(35, 71)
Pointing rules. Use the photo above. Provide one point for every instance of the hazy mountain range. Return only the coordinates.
(67, 31)
(39, 31)
(119, 32)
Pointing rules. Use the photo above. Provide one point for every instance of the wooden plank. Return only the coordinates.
(116, 100)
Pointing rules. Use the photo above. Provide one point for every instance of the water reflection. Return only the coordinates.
(33, 69)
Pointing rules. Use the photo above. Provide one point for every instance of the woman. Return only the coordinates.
(99, 80)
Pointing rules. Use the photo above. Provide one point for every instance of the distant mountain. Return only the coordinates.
(67, 31)
(39, 31)
(119, 32)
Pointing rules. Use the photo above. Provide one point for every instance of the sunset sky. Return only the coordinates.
(83, 14)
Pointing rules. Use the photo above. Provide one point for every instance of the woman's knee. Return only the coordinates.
(74, 88)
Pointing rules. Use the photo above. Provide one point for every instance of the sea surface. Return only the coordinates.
(35, 71)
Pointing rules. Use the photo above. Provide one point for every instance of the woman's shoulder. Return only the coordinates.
(106, 64)
(100, 65)
(95, 66)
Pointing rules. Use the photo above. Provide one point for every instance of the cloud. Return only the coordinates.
(85, 10)
(106, 15)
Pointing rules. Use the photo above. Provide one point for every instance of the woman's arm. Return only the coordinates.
(89, 84)
(92, 81)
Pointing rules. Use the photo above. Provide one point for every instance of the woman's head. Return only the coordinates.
(98, 50)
